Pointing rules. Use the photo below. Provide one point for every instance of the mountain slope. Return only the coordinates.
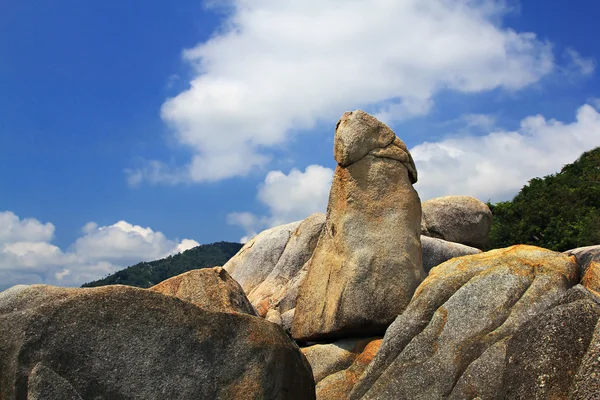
(147, 274)
(558, 212)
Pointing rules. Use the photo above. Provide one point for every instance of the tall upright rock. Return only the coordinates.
(367, 263)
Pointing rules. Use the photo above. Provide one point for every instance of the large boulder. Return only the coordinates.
(586, 383)
(296, 253)
(209, 288)
(119, 342)
(460, 219)
(255, 261)
(459, 317)
(554, 355)
(544, 359)
(367, 262)
(326, 359)
(437, 251)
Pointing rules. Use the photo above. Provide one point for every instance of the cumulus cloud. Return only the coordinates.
(123, 241)
(497, 165)
(276, 68)
(27, 256)
(14, 229)
(288, 198)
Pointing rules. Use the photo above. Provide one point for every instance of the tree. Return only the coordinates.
(147, 274)
(558, 212)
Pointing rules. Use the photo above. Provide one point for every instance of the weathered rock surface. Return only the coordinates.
(438, 251)
(543, 357)
(326, 359)
(367, 262)
(118, 342)
(275, 317)
(45, 384)
(285, 300)
(483, 377)
(287, 318)
(463, 309)
(338, 386)
(209, 288)
(586, 384)
(588, 259)
(298, 250)
(591, 279)
(255, 261)
(585, 256)
(459, 219)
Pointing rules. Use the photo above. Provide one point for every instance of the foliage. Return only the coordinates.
(147, 274)
(558, 212)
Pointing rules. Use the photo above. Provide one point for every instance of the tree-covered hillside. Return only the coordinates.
(147, 274)
(558, 212)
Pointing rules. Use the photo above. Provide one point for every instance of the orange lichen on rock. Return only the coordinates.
(339, 385)
(591, 279)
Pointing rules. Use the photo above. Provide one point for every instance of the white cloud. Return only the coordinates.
(275, 68)
(249, 222)
(405, 109)
(289, 198)
(125, 242)
(483, 121)
(14, 229)
(156, 172)
(27, 256)
(497, 165)
(578, 64)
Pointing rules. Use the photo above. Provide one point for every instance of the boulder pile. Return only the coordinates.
(118, 342)
(387, 297)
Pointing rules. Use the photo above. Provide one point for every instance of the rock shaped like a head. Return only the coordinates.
(358, 134)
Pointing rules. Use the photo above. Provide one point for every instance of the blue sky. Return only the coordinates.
(133, 130)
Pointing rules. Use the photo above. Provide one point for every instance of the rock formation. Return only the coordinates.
(338, 386)
(516, 323)
(298, 249)
(460, 316)
(327, 359)
(255, 261)
(438, 251)
(118, 342)
(459, 219)
(544, 358)
(588, 259)
(367, 262)
(210, 288)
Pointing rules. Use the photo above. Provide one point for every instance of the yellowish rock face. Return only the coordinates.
(591, 279)
(368, 261)
(210, 288)
(459, 317)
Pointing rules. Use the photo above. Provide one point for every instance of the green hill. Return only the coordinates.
(147, 274)
(558, 212)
